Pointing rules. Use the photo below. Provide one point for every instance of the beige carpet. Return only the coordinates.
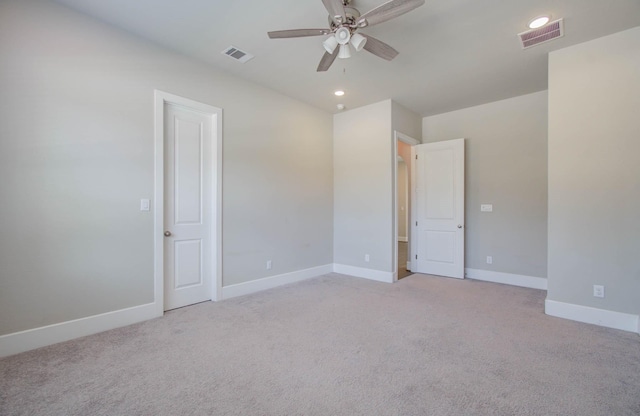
(337, 345)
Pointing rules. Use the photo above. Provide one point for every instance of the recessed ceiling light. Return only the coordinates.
(339, 93)
(539, 22)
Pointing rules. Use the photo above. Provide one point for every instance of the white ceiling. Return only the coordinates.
(453, 53)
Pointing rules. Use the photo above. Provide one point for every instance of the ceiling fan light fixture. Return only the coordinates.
(539, 21)
(330, 44)
(344, 22)
(358, 41)
(345, 51)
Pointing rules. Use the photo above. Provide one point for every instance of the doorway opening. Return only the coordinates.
(402, 189)
(402, 197)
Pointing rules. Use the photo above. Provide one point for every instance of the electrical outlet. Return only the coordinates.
(366, 258)
(268, 264)
(598, 291)
(489, 260)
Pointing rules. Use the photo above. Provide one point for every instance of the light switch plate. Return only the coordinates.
(144, 205)
(486, 208)
(598, 291)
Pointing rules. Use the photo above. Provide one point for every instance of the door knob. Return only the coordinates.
(167, 233)
(459, 225)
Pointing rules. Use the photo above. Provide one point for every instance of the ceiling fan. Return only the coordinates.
(344, 22)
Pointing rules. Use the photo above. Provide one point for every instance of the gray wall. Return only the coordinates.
(363, 202)
(594, 172)
(406, 121)
(76, 156)
(506, 165)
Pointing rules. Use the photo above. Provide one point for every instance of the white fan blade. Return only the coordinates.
(327, 60)
(335, 8)
(379, 48)
(297, 33)
(388, 11)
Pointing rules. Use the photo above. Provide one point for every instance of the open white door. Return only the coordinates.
(438, 220)
(188, 216)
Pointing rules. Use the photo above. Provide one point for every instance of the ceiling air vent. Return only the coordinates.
(237, 54)
(548, 32)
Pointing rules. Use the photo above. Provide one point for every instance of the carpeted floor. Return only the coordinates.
(337, 345)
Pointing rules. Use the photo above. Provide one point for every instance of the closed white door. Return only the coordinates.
(439, 209)
(188, 206)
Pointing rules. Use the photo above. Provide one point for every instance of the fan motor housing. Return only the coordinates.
(351, 15)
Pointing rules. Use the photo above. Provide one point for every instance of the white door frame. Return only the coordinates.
(406, 199)
(160, 99)
(398, 136)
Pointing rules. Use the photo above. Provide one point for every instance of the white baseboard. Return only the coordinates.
(52, 334)
(380, 276)
(507, 278)
(270, 282)
(403, 239)
(589, 315)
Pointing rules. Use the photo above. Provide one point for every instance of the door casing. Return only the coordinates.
(160, 99)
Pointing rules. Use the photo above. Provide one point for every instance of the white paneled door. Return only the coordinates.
(189, 139)
(439, 209)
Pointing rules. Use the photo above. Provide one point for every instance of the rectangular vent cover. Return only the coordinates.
(237, 54)
(546, 33)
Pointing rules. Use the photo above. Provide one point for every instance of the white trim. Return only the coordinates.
(406, 139)
(595, 316)
(380, 276)
(409, 265)
(403, 239)
(413, 240)
(270, 282)
(507, 278)
(160, 98)
(52, 334)
(394, 206)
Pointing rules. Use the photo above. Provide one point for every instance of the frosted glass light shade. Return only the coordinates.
(358, 41)
(330, 44)
(343, 35)
(345, 51)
